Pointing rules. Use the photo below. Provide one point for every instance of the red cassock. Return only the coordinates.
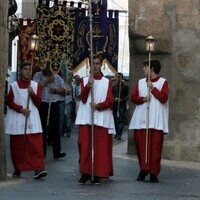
(103, 166)
(26, 150)
(155, 144)
(155, 137)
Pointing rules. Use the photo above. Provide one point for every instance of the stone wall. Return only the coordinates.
(3, 70)
(176, 26)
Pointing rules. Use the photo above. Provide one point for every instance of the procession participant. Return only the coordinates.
(77, 91)
(121, 95)
(23, 124)
(103, 125)
(68, 104)
(53, 87)
(158, 120)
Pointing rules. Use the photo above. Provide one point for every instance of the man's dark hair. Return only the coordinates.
(154, 64)
(98, 56)
(120, 74)
(25, 64)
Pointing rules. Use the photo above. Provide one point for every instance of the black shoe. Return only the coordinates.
(68, 133)
(60, 155)
(39, 174)
(84, 178)
(96, 181)
(154, 178)
(49, 143)
(119, 137)
(115, 136)
(16, 174)
(142, 175)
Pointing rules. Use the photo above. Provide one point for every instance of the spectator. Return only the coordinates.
(121, 95)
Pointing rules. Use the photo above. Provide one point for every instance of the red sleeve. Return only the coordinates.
(108, 103)
(162, 95)
(135, 98)
(84, 92)
(36, 98)
(10, 102)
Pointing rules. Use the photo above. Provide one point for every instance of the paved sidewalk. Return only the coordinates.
(178, 180)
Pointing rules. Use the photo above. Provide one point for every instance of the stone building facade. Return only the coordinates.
(176, 26)
(3, 70)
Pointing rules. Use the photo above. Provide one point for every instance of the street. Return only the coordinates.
(178, 180)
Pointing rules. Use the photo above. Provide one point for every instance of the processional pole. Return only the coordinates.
(119, 95)
(48, 62)
(34, 42)
(92, 88)
(150, 47)
(89, 2)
